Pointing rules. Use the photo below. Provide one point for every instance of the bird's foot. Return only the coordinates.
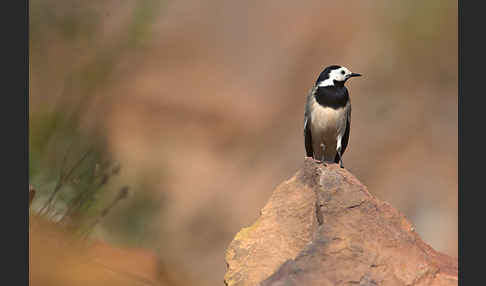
(320, 161)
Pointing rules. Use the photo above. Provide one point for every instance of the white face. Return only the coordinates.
(340, 74)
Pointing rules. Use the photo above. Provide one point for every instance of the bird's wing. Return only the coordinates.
(345, 139)
(308, 138)
(307, 126)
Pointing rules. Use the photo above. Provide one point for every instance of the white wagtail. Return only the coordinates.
(327, 116)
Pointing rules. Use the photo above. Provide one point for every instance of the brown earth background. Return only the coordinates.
(202, 102)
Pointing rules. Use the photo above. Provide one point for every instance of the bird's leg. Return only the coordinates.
(323, 147)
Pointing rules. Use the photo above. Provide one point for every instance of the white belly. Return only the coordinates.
(328, 126)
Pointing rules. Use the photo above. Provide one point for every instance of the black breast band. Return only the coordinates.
(332, 96)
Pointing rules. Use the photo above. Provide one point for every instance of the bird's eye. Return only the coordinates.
(342, 72)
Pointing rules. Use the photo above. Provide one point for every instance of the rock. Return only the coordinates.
(323, 227)
(56, 257)
(138, 264)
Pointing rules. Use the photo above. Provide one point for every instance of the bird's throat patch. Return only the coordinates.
(332, 96)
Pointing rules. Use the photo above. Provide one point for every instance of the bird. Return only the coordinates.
(327, 117)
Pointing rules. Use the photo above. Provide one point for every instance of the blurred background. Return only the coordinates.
(196, 108)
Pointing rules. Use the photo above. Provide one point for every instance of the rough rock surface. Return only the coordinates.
(323, 227)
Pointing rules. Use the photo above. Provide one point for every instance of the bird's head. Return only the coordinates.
(335, 76)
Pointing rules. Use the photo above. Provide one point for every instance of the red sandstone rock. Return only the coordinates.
(323, 227)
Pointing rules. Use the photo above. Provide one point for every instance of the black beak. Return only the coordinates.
(354, 74)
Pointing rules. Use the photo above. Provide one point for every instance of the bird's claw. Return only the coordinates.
(320, 162)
